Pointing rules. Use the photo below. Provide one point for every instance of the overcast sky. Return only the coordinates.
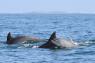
(27, 6)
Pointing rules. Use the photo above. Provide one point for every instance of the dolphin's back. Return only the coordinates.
(65, 43)
(28, 38)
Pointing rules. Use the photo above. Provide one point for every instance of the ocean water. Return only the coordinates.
(79, 27)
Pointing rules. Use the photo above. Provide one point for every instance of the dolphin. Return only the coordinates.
(12, 40)
(54, 42)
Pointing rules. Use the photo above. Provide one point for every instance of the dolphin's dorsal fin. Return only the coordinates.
(50, 44)
(9, 37)
(52, 37)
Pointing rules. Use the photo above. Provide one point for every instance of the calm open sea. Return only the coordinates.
(79, 27)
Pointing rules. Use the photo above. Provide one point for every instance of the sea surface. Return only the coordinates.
(78, 27)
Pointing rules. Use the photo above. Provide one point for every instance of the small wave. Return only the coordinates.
(86, 43)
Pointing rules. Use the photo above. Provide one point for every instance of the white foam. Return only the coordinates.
(35, 46)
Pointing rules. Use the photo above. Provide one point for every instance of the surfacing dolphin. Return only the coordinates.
(54, 42)
(13, 40)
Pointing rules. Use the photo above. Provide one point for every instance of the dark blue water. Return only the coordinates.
(79, 27)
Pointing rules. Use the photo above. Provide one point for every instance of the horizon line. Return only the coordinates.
(55, 12)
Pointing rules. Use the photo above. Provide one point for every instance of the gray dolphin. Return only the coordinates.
(54, 42)
(12, 40)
